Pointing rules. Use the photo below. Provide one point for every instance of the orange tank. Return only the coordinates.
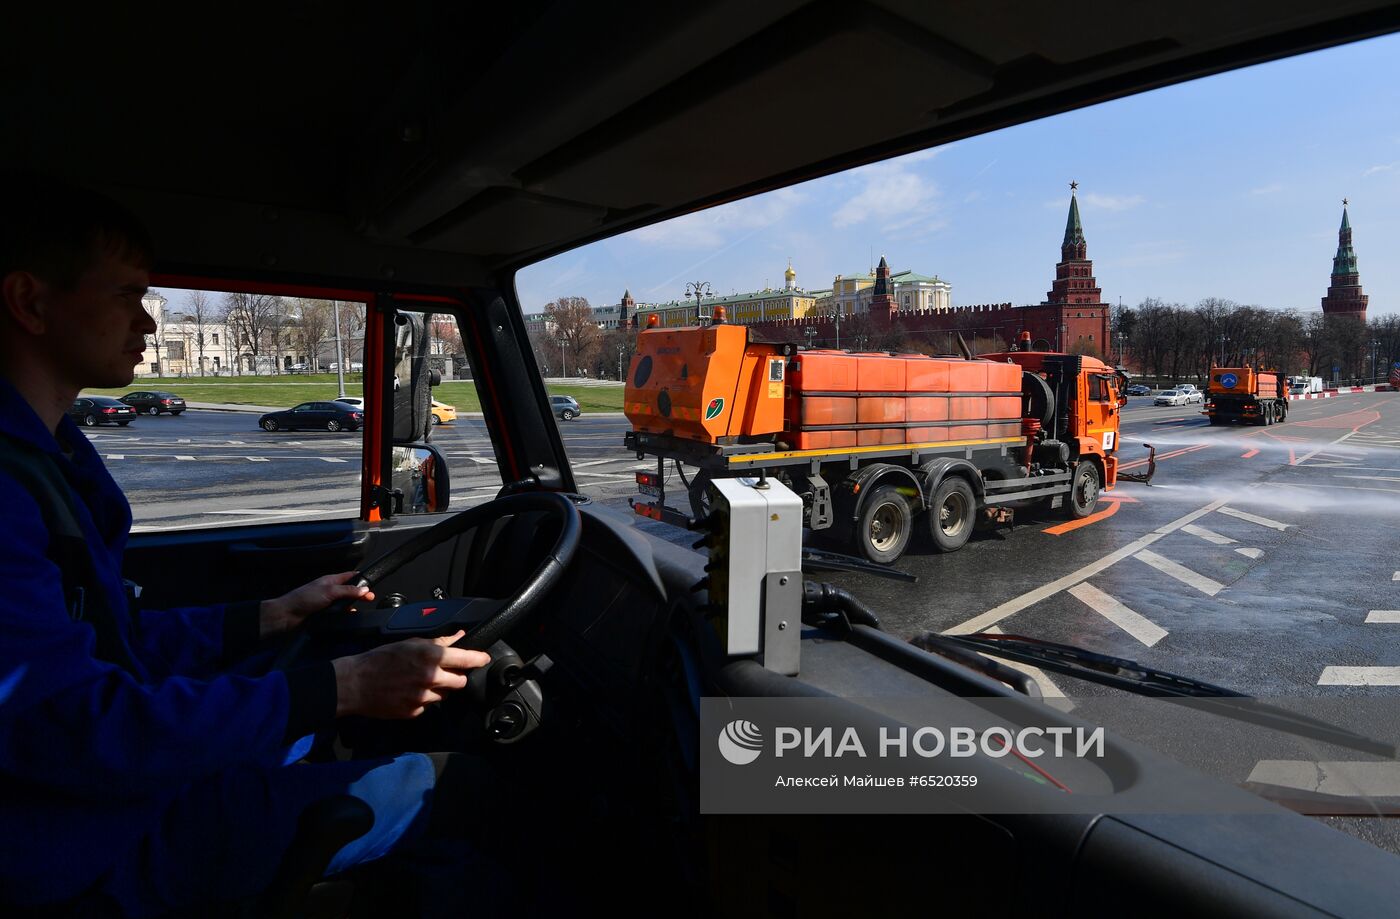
(708, 384)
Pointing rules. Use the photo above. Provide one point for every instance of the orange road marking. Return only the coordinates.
(1095, 517)
(1254, 452)
(1164, 456)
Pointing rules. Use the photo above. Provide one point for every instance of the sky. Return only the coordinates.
(1230, 187)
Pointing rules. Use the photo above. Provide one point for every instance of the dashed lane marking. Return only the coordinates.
(1378, 779)
(122, 456)
(1251, 553)
(1062, 528)
(257, 459)
(1207, 535)
(1031, 597)
(180, 456)
(1383, 615)
(1248, 454)
(1254, 518)
(331, 459)
(1395, 576)
(1130, 621)
(1359, 676)
(1183, 574)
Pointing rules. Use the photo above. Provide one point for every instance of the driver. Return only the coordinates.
(144, 763)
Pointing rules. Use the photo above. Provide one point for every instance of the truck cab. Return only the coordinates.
(415, 166)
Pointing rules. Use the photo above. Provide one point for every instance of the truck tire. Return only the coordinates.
(885, 524)
(699, 495)
(1084, 491)
(951, 514)
(1282, 413)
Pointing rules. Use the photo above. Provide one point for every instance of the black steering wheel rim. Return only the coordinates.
(515, 610)
(539, 583)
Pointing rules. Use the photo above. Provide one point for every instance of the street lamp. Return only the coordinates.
(699, 290)
(619, 362)
(1223, 342)
(811, 335)
(563, 363)
(1374, 345)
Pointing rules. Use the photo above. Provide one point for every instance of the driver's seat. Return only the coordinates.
(298, 890)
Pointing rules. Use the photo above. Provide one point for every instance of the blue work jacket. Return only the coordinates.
(91, 753)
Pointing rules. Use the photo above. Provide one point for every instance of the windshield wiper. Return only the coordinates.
(1130, 676)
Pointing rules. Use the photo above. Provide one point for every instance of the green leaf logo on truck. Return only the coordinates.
(713, 409)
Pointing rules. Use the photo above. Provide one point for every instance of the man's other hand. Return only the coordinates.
(399, 680)
(291, 609)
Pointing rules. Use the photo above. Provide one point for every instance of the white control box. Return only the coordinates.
(756, 569)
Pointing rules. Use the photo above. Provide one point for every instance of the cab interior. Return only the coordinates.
(416, 158)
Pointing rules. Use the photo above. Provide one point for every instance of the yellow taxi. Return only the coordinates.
(443, 413)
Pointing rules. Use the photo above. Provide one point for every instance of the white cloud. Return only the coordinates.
(1267, 189)
(1384, 167)
(719, 226)
(893, 196)
(1153, 252)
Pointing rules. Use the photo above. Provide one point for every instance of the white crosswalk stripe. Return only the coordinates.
(1207, 535)
(1130, 621)
(1379, 779)
(1359, 676)
(1183, 574)
(1253, 518)
(1383, 615)
(1250, 553)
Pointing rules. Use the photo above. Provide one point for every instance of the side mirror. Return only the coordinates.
(413, 380)
(418, 480)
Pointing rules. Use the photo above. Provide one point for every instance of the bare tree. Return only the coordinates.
(313, 323)
(575, 326)
(250, 319)
(202, 312)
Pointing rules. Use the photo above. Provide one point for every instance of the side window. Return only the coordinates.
(1096, 389)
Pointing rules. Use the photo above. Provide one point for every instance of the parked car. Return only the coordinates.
(443, 413)
(565, 408)
(332, 416)
(1138, 389)
(1192, 393)
(352, 366)
(299, 368)
(1168, 397)
(355, 401)
(91, 411)
(153, 403)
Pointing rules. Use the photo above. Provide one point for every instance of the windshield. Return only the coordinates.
(1248, 240)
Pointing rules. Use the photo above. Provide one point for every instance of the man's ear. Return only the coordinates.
(22, 295)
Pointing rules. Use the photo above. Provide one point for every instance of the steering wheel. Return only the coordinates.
(485, 620)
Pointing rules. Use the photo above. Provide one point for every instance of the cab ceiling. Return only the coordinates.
(446, 142)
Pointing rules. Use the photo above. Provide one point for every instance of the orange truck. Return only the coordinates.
(1246, 394)
(877, 444)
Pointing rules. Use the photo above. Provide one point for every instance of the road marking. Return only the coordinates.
(1250, 453)
(330, 459)
(182, 457)
(598, 462)
(1031, 597)
(1379, 779)
(257, 459)
(1130, 621)
(112, 456)
(1254, 518)
(1395, 576)
(183, 440)
(1359, 676)
(1061, 529)
(1207, 535)
(1383, 615)
(1164, 456)
(1250, 553)
(1183, 574)
(1370, 478)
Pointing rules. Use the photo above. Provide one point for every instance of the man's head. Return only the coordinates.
(73, 268)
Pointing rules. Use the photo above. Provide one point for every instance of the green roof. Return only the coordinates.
(1074, 231)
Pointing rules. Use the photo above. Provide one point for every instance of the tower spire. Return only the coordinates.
(1074, 275)
(1074, 230)
(1344, 294)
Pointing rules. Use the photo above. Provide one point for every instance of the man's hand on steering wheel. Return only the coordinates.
(400, 680)
(290, 610)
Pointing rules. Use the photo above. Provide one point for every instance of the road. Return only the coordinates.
(1262, 559)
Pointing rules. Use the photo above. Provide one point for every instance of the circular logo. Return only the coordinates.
(1228, 380)
(740, 742)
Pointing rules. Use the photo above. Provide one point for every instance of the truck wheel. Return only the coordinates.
(951, 514)
(1084, 491)
(1213, 420)
(885, 525)
(1282, 413)
(699, 494)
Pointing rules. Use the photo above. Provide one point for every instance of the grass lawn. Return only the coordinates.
(288, 390)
